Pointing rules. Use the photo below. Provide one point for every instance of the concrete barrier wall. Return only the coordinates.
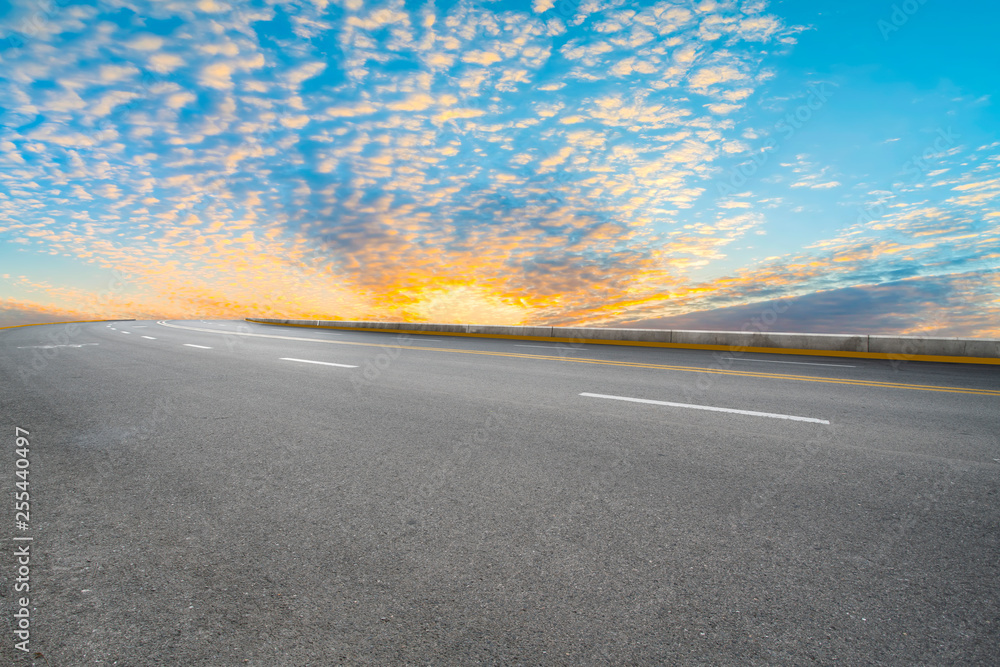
(493, 330)
(951, 347)
(593, 333)
(901, 347)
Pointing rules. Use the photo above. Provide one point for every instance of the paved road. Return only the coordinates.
(204, 493)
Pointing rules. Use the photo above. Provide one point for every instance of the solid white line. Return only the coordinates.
(552, 347)
(321, 363)
(198, 346)
(709, 407)
(800, 363)
(149, 337)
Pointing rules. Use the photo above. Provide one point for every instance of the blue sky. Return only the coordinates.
(568, 162)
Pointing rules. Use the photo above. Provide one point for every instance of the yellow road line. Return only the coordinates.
(629, 364)
(38, 324)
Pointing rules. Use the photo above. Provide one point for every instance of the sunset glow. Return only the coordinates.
(540, 162)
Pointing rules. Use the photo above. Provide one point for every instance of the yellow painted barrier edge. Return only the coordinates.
(38, 324)
(681, 346)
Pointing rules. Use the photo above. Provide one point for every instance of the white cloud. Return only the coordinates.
(295, 76)
(481, 57)
(362, 109)
(217, 75)
(164, 63)
(116, 73)
(181, 99)
(145, 42)
(723, 109)
(107, 102)
(706, 77)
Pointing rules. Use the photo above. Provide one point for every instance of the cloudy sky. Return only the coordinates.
(538, 162)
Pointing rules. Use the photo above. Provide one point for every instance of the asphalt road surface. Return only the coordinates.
(229, 493)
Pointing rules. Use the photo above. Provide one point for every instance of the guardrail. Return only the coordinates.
(908, 348)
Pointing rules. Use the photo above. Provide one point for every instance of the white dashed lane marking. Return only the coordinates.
(321, 363)
(710, 408)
